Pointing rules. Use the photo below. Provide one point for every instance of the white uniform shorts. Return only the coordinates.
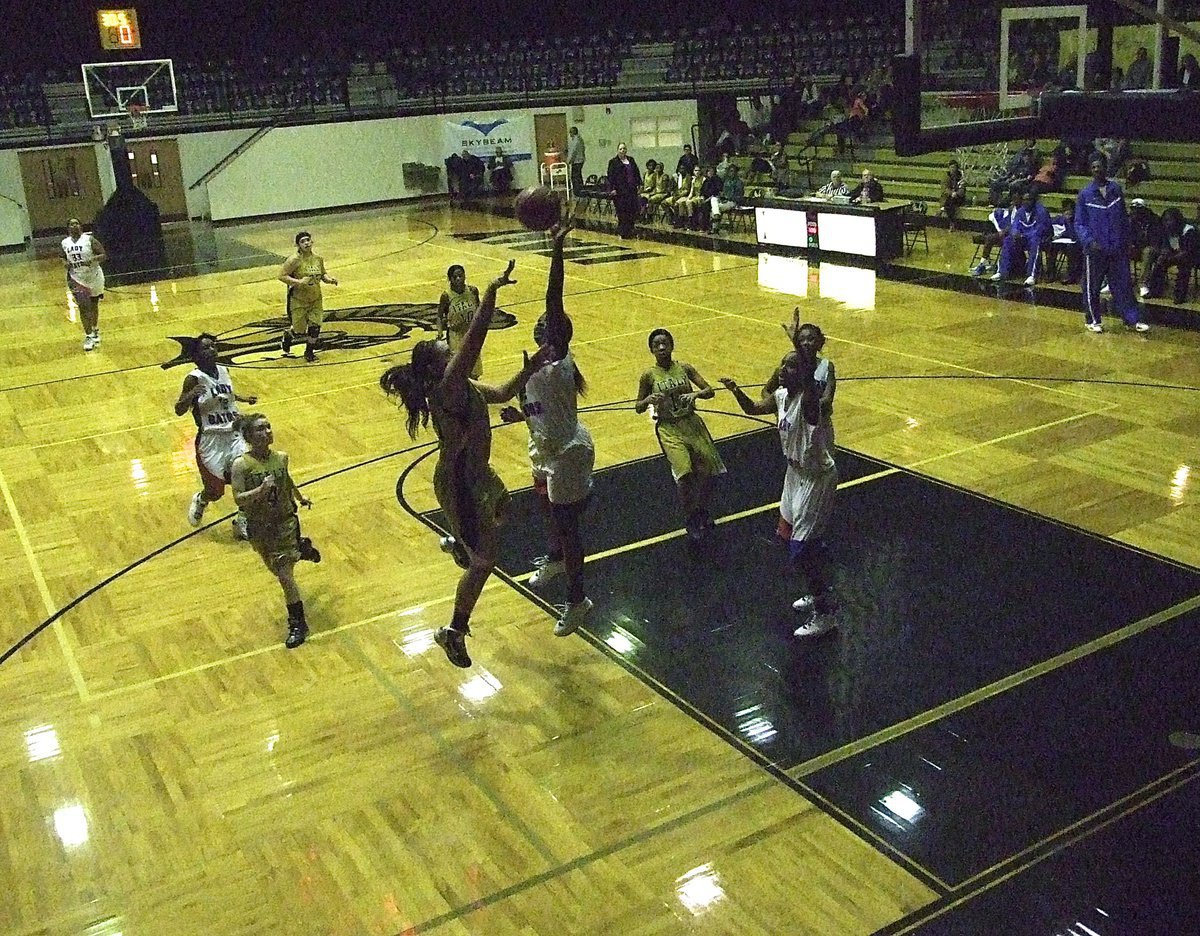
(215, 452)
(566, 477)
(807, 503)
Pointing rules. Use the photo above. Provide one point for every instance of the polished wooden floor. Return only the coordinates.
(166, 766)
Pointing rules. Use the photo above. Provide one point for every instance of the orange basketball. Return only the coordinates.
(537, 208)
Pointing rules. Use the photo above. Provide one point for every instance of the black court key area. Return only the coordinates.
(942, 593)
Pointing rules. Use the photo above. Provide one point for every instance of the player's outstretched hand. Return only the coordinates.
(510, 414)
(729, 383)
(304, 501)
(792, 328)
(559, 232)
(505, 278)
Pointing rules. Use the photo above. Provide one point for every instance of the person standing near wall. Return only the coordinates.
(624, 183)
(303, 273)
(576, 156)
(82, 255)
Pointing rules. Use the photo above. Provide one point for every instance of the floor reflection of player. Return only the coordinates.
(264, 490)
(685, 440)
(810, 483)
(436, 386)
(208, 393)
(561, 451)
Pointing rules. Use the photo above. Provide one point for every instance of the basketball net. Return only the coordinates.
(137, 116)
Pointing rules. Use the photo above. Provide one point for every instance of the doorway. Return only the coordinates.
(60, 184)
(550, 135)
(155, 167)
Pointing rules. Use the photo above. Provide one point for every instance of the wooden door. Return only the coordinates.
(550, 134)
(156, 170)
(60, 183)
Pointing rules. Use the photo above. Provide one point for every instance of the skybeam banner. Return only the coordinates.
(481, 134)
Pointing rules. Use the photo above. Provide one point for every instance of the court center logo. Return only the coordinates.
(356, 329)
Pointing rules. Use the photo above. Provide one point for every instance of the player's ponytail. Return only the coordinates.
(409, 383)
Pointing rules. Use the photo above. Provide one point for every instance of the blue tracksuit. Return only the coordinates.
(1103, 232)
(1033, 226)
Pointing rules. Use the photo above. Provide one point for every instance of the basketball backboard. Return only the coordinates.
(985, 69)
(113, 87)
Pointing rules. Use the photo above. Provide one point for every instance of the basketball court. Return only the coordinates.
(1009, 693)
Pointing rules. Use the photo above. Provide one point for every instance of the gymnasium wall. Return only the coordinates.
(334, 165)
(198, 154)
(14, 219)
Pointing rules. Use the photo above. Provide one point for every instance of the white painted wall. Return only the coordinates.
(14, 217)
(198, 153)
(603, 127)
(334, 165)
(293, 169)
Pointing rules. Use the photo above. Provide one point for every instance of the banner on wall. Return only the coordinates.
(481, 135)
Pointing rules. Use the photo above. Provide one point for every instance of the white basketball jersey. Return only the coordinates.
(549, 404)
(806, 447)
(216, 409)
(84, 269)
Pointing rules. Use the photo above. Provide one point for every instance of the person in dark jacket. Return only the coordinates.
(869, 190)
(624, 183)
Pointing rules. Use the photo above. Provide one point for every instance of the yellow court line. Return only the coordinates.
(1081, 834)
(986, 692)
(877, 348)
(844, 485)
(43, 589)
(1066, 831)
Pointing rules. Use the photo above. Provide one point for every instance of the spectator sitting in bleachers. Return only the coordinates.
(954, 193)
(851, 128)
(732, 193)
(779, 166)
(834, 187)
(810, 100)
(1019, 172)
(1062, 228)
(1000, 219)
(1189, 74)
(1114, 151)
(724, 166)
(1175, 245)
(1145, 233)
(1140, 71)
(1050, 177)
(1028, 230)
